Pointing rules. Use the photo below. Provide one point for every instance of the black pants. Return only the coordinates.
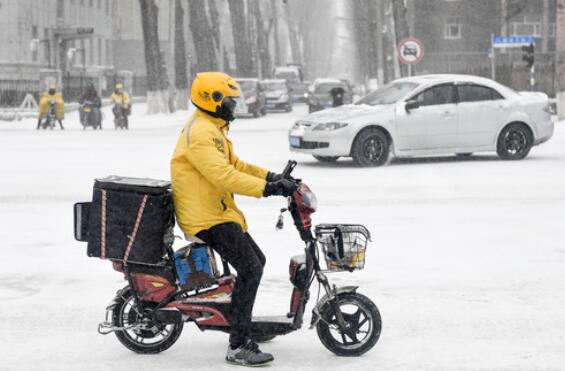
(239, 249)
(39, 124)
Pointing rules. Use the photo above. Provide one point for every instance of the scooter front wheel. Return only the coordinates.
(363, 325)
(140, 333)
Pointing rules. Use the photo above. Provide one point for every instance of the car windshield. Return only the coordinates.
(325, 87)
(271, 86)
(287, 75)
(388, 94)
(247, 85)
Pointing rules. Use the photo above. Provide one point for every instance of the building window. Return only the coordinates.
(108, 53)
(99, 4)
(34, 35)
(452, 28)
(526, 27)
(107, 7)
(99, 52)
(90, 3)
(551, 30)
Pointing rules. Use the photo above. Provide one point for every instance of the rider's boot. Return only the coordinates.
(248, 354)
(38, 124)
(61, 124)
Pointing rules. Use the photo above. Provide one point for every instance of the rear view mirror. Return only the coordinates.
(411, 105)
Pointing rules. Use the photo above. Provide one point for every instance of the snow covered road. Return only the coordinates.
(467, 263)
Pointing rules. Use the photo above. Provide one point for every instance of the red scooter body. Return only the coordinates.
(148, 315)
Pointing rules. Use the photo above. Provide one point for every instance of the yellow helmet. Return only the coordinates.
(213, 92)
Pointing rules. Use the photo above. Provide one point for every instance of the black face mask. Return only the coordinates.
(227, 110)
(51, 91)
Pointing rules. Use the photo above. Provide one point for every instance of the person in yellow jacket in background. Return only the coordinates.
(206, 173)
(49, 98)
(121, 102)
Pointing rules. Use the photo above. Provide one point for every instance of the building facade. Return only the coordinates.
(71, 42)
(456, 35)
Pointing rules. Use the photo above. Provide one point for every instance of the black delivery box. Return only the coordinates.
(129, 219)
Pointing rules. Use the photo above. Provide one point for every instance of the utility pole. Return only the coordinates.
(560, 59)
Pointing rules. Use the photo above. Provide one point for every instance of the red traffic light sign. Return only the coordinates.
(410, 50)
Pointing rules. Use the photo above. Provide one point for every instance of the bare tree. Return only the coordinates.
(181, 77)
(294, 37)
(275, 23)
(157, 81)
(401, 29)
(242, 44)
(206, 59)
(262, 40)
(560, 59)
(367, 32)
(216, 30)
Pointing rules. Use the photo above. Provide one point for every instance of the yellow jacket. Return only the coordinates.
(44, 105)
(206, 173)
(122, 99)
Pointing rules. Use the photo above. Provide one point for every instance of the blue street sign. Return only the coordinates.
(508, 41)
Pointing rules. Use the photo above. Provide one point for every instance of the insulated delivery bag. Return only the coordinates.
(129, 220)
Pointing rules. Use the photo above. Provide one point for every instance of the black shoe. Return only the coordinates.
(248, 354)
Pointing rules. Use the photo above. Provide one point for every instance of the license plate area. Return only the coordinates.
(295, 141)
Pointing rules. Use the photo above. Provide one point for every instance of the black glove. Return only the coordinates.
(282, 187)
(273, 177)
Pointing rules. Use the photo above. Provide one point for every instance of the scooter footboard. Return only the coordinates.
(271, 325)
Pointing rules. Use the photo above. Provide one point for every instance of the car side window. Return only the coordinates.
(476, 93)
(439, 94)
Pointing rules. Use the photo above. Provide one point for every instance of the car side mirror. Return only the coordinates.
(411, 105)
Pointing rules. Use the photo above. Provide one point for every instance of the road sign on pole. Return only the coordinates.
(512, 41)
(410, 51)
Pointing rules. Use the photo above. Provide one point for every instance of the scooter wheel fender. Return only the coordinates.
(363, 324)
(326, 298)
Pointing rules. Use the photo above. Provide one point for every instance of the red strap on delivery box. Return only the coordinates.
(103, 237)
(135, 227)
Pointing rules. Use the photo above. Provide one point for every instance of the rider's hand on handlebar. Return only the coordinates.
(273, 177)
(281, 187)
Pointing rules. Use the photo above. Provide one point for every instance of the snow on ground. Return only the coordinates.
(467, 263)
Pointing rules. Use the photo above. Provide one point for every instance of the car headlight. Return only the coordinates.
(328, 126)
(251, 100)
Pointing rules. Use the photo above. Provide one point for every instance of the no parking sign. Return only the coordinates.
(410, 51)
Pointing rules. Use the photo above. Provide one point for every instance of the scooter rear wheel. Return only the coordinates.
(364, 325)
(146, 336)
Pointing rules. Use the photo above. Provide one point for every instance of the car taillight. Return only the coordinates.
(549, 109)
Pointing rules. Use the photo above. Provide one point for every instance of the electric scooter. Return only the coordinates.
(49, 122)
(148, 315)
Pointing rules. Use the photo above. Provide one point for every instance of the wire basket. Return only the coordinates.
(343, 245)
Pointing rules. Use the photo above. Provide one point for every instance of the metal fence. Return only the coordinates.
(12, 93)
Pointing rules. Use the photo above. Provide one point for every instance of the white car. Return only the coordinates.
(428, 115)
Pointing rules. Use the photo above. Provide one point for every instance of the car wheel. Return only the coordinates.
(326, 158)
(514, 142)
(370, 148)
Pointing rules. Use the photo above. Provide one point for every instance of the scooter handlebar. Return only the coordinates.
(288, 169)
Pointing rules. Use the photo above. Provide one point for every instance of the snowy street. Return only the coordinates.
(466, 263)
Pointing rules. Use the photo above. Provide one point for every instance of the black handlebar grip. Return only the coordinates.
(288, 169)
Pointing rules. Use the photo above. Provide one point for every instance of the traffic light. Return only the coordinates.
(528, 54)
